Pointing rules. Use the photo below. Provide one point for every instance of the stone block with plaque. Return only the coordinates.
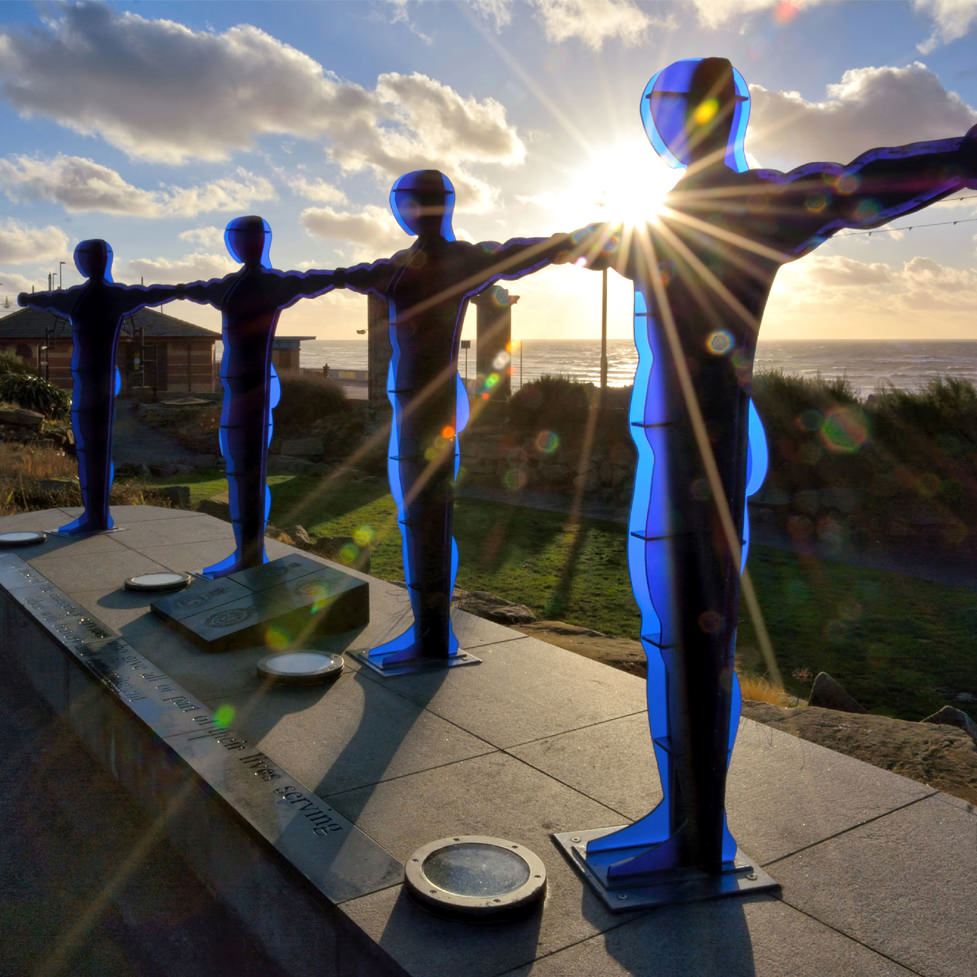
(293, 599)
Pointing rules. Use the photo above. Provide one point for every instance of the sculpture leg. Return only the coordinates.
(243, 440)
(421, 468)
(91, 422)
(686, 583)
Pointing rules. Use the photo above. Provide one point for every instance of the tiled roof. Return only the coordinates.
(32, 323)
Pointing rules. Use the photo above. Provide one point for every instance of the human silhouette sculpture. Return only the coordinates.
(250, 300)
(95, 311)
(427, 287)
(702, 273)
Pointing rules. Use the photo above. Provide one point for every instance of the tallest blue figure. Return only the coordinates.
(702, 273)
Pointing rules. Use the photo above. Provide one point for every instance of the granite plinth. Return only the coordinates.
(875, 869)
(292, 598)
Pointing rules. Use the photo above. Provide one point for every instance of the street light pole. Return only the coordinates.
(603, 336)
(60, 275)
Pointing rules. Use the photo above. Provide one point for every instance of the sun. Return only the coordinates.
(626, 183)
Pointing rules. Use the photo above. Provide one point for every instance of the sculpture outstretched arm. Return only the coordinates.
(881, 184)
(60, 302)
(205, 293)
(522, 256)
(138, 296)
(365, 278)
(295, 285)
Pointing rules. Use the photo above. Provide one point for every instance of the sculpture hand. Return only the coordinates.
(968, 150)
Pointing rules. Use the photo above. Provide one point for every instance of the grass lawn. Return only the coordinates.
(893, 641)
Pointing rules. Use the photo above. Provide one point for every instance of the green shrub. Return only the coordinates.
(551, 404)
(306, 399)
(11, 363)
(35, 393)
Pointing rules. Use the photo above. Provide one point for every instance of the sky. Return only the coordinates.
(153, 124)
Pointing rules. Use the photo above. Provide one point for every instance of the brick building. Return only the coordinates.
(161, 352)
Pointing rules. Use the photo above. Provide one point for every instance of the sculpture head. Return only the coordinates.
(248, 240)
(423, 202)
(695, 112)
(93, 259)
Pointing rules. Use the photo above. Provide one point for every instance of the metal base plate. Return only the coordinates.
(415, 665)
(666, 888)
(85, 533)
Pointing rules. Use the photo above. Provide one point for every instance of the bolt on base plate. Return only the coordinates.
(743, 877)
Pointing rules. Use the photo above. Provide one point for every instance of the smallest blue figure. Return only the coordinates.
(95, 310)
(251, 301)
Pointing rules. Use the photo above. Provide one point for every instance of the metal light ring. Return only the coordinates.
(443, 900)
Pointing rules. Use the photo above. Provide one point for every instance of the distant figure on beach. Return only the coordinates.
(95, 311)
(702, 272)
(427, 287)
(251, 301)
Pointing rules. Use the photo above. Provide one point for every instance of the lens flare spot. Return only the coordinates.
(929, 484)
(786, 11)
(720, 342)
(710, 622)
(501, 361)
(363, 535)
(844, 430)
(547, 442)
(810, 420)
(867, 209)
(847, 183)
(349, 553)
(277, 639)
(491, 380)
(706, 111)
(447, 432)
(515, 478)
(224, 716)
(816, 202)
(485, 396)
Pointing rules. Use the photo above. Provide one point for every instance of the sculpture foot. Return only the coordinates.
(84, 527)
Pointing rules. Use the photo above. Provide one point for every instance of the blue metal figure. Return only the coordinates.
(95, 310)
(702, 273)
(251, 301)
(427, 287)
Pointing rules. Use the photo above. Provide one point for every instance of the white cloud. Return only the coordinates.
(372, 226)
(81, 185)
(196, 266)
(159, 90)
(838, 271)
(431, 126)
(21, 244)
(12, 284)
(208, 237)
(953, 19)
(319, 190)
(869, 107)
(595, 21)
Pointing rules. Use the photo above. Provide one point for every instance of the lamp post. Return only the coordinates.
(60, 275)
(603, 337)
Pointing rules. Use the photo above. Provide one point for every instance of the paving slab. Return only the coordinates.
(525, 690)
(902, 884)
(525, 807)
(753, 937)
(336, 738)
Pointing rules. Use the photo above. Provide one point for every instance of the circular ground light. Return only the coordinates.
(160, 581)
(21, 539)
(301, 667)
(476, 876)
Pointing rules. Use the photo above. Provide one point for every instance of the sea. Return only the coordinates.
(866, 365)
